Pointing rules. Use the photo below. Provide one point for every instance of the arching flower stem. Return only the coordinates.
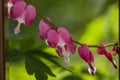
(55, 27)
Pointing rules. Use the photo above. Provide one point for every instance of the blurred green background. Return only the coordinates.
(88, 21)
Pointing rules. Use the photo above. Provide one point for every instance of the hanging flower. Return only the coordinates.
(101, 51)
(108, 55)
(62, 41)
(115, 49)
(44, 27)
(11, 3)
(18, 10)
(23, 14)
(68, 49)
(87, 56)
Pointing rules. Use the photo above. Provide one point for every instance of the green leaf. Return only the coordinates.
(29, 67)
(41, 53)
(14, 55)
(34, 65)
(47, 56)
(43, 76)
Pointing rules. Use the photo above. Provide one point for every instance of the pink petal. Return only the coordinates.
(15, 1)
(30, 14)
(18, 9)
(87, 56)
(70, 47)
(91, 69)
(53, 38)
(101, 51)
(91, 57)
(59, 51)
(84, 52)
(109, 57)
(113, 49)
(44, 28)
(64, 35)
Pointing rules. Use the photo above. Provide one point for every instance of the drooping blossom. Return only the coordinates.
(11, 3)
(23, 14)
(66, 51)
(101, 51)
(87, 56)
(108, 55)
(115, 49)
(44, 27)
(62, 41)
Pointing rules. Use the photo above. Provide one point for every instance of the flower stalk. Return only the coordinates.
(50, 23)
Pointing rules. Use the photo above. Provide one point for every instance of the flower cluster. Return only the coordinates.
(108, 55)
(59, 39)
(20, 11)
(62, 41)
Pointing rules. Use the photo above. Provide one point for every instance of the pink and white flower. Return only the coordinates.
(23, 14)
(108, 55)
(87, 56)
(59, 39)
(62, 41)
(11, 3)
(44, 27)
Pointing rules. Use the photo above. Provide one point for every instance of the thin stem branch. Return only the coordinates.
(95, 46)
(42, 16)
(50, 23)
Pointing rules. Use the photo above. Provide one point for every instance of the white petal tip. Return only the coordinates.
(16, 32)
(92, 71)
(46, 41)
(17, 29)
(67, 61)
(114, 64)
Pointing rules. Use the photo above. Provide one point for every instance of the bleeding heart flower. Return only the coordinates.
(115, 50)
(53, 38)
(87, 56)
(23, 14)
(103, 51)
(11, 3)
(66, 51)
(18, 10)
(62, 41)
(109, 57)
(44, 27)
